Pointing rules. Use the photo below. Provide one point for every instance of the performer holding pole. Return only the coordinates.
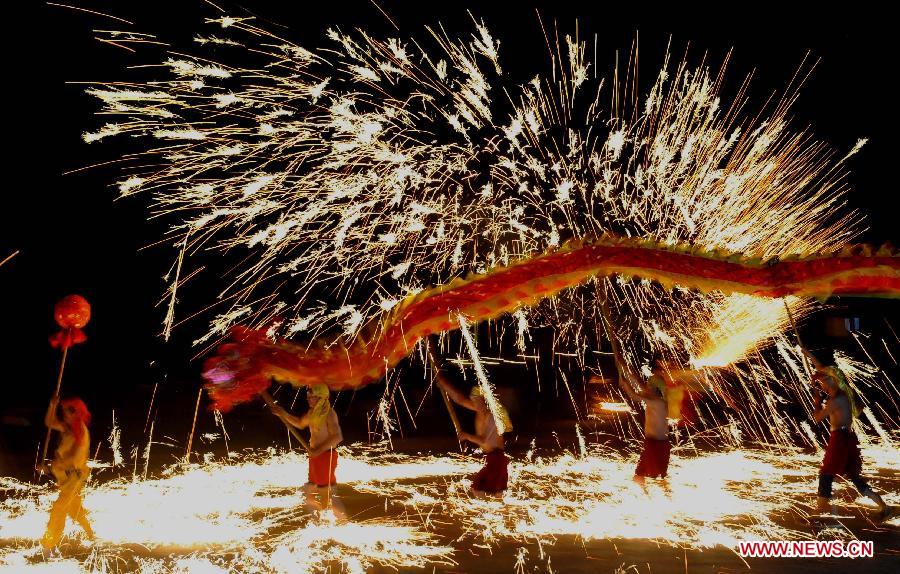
(494, 476)
(654, 460)
(324, 436)
(842, 455)
(71, 313)
(69, 467)
(439, 375)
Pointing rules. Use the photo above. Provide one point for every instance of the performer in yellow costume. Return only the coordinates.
(69, 467)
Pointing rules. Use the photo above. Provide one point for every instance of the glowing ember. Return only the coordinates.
(615, 407)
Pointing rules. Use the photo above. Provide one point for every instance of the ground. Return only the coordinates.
(572, 512)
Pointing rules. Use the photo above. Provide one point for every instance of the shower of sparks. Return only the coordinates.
(743, 323)
(351, 176)
(248, 515)
(487, 389)
(347, 156)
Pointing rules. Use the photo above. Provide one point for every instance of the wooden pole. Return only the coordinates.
(607, 327)
(294, 432)
(187, 455)
(150, 408)
(803, 348)
(432, 358)
(62, 366)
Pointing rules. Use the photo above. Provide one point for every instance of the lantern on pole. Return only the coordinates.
(71, 313)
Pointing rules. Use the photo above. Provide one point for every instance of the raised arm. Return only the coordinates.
(627, 379)
(50, 419)
(455, 395)
(289, 419)
(627, 382)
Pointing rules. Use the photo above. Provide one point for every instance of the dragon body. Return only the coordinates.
(245, 365)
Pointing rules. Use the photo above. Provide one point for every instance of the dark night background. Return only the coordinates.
(73, 236)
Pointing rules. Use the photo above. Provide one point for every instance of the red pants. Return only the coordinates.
(321, 468)
(654, 461)
(494, 476)
(842, 455)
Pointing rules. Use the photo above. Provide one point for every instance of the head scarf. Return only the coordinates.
(81, 417)
(318, 413)
(836, 375)
(501, 411)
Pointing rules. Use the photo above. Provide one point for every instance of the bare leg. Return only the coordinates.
(57, 522)
(80, 516)
(864, 489)
(664, 483)
(311, 494)
(884, 511)
(640, 481)
(333, 501)
(876, 498)
(823, 501)
(68, 491)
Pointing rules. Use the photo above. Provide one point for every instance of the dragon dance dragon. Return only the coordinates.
(245, 366)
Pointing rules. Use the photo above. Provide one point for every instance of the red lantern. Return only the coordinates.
(72, 312)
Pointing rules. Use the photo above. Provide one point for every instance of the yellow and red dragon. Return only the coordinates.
(245, 365)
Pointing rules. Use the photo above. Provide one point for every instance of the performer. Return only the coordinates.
(654, 461)
(69, 467)
(324, 436)
(842, 456)
(494, 476)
